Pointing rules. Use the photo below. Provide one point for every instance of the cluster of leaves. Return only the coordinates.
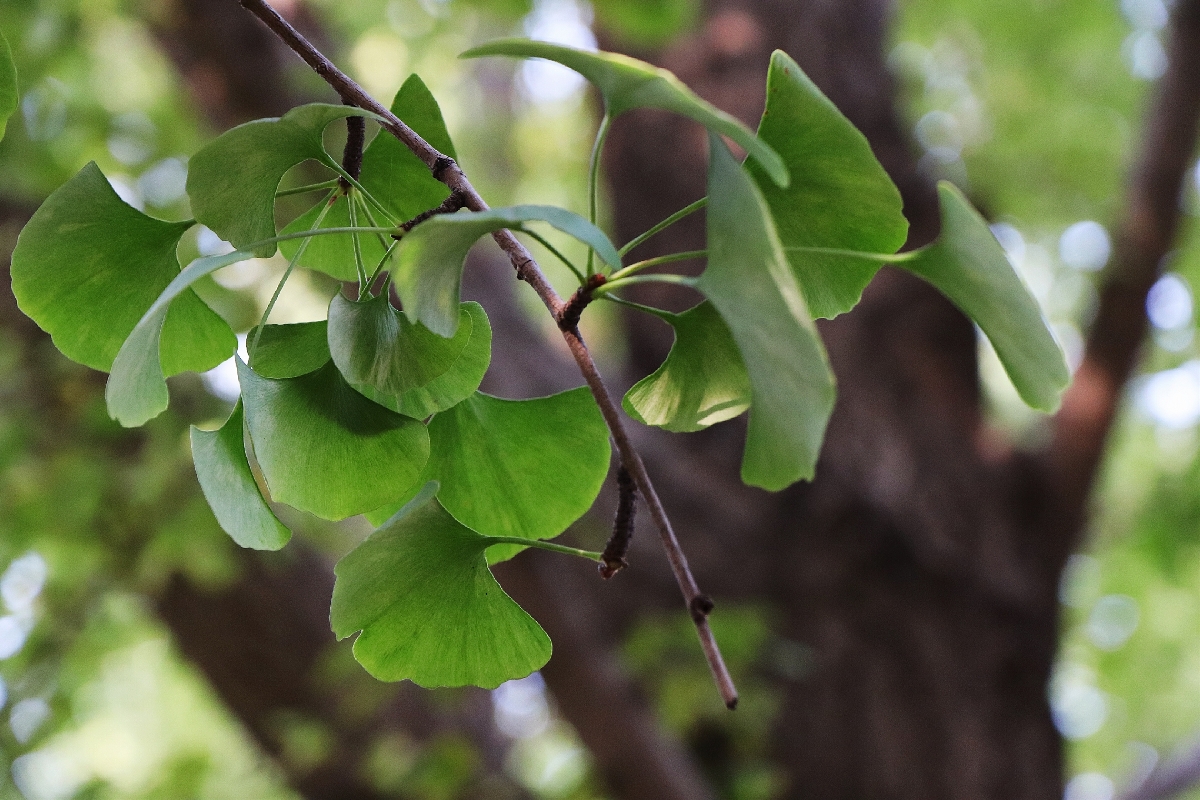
(377, 410)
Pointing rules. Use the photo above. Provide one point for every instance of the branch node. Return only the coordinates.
(440, 165)
(700, 607)
(613, 557)
(568, 317)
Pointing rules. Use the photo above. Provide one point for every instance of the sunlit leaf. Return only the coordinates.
(333, 254)
(626, 83)
(137, 389)
(229, 486)
(232, 180)
(429, 609)
(840, 197)
(380, 348)
(289, 351)
(968, 265)
(326, 449)
(390, 171)
(702, 382)
(749, 282)
(526, 468)
(429, 260)
(87, 267)
(8, 84)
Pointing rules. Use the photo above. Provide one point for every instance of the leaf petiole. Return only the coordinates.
(612, 286)
(370, 197)
(359, 266)
(593, 180)
(666, 223)
(651, 310)
(554, 251)
(312, 187)
(637, 267)
(554, 548)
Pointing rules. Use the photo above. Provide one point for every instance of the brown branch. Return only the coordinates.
(448, 172)
(613, 557)
(1144, 236)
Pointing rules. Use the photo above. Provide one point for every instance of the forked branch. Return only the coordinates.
(444, 169)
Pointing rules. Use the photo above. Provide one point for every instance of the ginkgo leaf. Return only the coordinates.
(333, 254)
(839, 197)
(626, 83)
(229, 486)
(137, 389)
(391, 172)
(381, 349)
(429, 609)
(461, 380)
(8, 84)
(86, 268)
(968, 265)
(428, 261)
(703, 380)
(232, 180)
(749, 282)
(326, 449)
(289, 351)
(393, 175)
(525, 468)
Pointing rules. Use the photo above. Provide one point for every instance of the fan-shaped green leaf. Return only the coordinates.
(749, 282)
(840, 197)
(232, 180)
(461, 380)
(968, 265)
(380, 349)
(86, 268)
(702, 382)
(137, 389)
(390, 171)
(428, 607)
(526, 468)
(326, 449)
(333, 254)
(626, 83)
(289, 351)
(429, 260)
(229, 486)
(8, 84)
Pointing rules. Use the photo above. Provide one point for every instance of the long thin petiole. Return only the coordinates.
(312, 187)
(367, 194)
(651, 310)
(262, 323)
(614, 285)
(666, 223)
(594, 180)
(554, 251)
(366, 209)
(554, 548)
(886, 258)
(359, 266)
(637, 267)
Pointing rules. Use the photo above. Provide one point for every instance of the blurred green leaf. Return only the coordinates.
(326, 449)
(968, 265)
(840, 197)
(626, 84)
(429, 609)
(87, 267)
(429, 260)
(232, 180)
(289, 351)
(137, 389)
(646, 23)
(229, 486)
(749, 282)
(703, 380)
(8, 84)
